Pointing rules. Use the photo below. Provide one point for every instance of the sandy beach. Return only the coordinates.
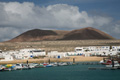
(68, 59)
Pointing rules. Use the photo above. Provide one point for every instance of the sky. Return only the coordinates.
(18, 16)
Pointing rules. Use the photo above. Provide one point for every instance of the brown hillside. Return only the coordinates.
(38, 35)
(79, 34)
(86, 33)
(33, 35)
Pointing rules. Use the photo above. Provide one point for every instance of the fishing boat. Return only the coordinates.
(42, 65)
(54, 64)
(32, 65)
(114, 64)
(49, 65)
(25, 66)
(62, 64)
(69, 63)
(2, 68)
(106, 62)
(18, 66)
(8, 67)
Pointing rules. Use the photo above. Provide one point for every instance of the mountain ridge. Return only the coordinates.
(78, 34)
(87, 33)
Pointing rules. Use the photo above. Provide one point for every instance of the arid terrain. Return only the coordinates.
(64, 45)
(58, 40)
(88, 33)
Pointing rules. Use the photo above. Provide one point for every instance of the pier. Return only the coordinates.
(90, 63)
(102, 68)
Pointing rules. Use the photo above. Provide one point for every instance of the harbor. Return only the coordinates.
(27, 66)
(70, 72)
(29, 58)
(59, 40)
(108, 64)
(37, 58)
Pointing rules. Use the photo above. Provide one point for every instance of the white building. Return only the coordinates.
(56, 54)
(96, 50)
(29, 53)
(99, 50)
(6, 57)
(21, 54)
(114, 50)
(38, 52)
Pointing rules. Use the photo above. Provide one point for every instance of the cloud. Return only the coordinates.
(27, 14)
(16, 18)
(8, 32)
(117, 28)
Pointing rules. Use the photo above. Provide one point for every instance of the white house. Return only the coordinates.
(56, 54)
(92, 50)
(6, 57)
(115, 50)
(29, 53)
(98, 50)
(38, 52)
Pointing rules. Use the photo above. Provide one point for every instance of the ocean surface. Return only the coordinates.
(73, 72)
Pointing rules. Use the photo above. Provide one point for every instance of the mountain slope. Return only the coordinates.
(79, 34)
(33, 35)
(86, 33)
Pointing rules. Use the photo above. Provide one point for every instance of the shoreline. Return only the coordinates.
(45, 60)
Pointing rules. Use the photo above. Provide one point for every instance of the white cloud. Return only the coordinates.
(17, 16)
(116, 27)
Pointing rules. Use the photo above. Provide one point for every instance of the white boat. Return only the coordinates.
(7, 69)
(2, 68)
(25, 66)
(54, 64)
(32, 65)
(18, 66)
(116, 64)
(62, 64)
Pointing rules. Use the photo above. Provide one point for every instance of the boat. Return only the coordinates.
(106, 62)
(25, 66)
(42, 65)
(8, 65)
(62, 64)
(18, 66)
(114, 64)
(49, 65)
(21, 66)
(69, 63)
(2, 68)
(32, 65)
(54, 64)
(7, 69)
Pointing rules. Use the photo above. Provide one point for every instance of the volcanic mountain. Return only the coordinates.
(39, 35)
(79, 34)
(86, 34)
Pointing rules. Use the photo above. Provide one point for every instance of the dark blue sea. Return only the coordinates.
(73, 72)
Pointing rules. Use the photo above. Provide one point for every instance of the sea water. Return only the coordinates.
(73, 72)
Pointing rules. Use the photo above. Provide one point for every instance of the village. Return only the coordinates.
(85, 51)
